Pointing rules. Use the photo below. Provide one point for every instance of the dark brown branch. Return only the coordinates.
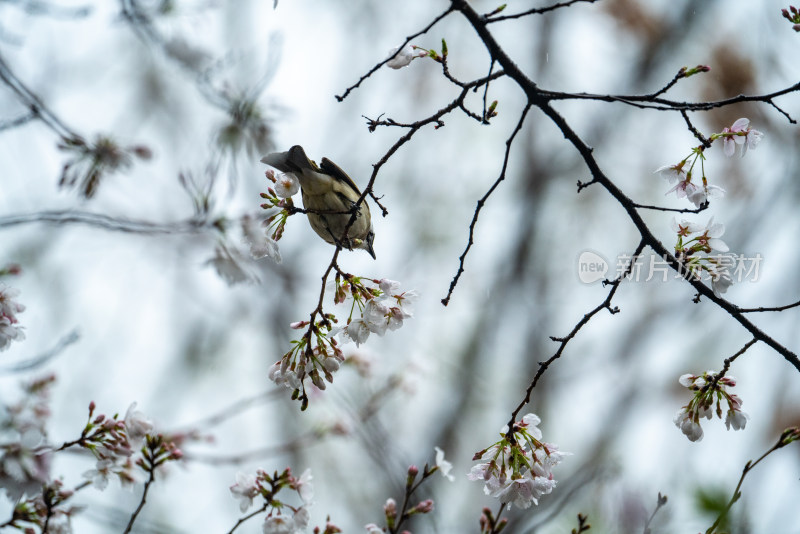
(643, 102)
(700, 137)
(702, 207)
(142, 501)
(776, 308)
(542, 100)
(727, 364)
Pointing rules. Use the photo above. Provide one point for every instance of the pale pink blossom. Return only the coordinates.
(228, 265)
(688, 426)
(280, 524)
(358, 331)
(750, 139)
(137, 426)
(403, 58)
(673, 173)
(736, 419)
(284, 376)
(100, 474)
(712, 233)
(686, 380)
(482, 471)
(388, 286)
(286, 185)
(9, 308)
(424, 507)
(530, 423)
(721, 280)
(256, 236)
(443, 465)
(301, 518)
(700, 195)
(304, 487)
(245, 489)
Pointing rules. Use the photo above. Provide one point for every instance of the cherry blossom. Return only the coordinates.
(404, 58)
(518, 470)
(257, 237)
(137, 426)
(443, 465)
(280, 524)
(245, 489)
(688, 425)
(743, 135)
(304, 487)
(9, 308)
(710, 392)
(286, 185)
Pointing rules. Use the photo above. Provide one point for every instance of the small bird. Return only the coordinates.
(329, 196)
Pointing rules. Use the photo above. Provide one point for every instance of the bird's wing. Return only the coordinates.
(330, 168)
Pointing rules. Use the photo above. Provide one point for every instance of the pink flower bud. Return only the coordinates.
(425, 506)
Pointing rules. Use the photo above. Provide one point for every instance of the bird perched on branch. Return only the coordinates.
(329, 196)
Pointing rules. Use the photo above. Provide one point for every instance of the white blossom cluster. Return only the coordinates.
(681, 173)
(708, 399)
(282, 518)
(518, 471)
(384, 312)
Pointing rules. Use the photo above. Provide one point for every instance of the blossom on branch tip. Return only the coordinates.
(709, 394)
(404, 57)
(740, 133)
(518, 469)
(680, 174)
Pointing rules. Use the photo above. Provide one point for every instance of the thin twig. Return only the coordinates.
(446, 300)
(425, 30)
